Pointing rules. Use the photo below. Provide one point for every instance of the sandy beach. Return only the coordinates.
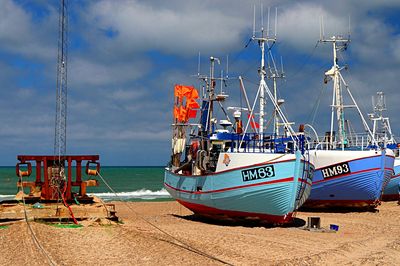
(164, 233)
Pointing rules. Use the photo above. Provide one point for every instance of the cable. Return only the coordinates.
(313, 113)
(306, 61)
(66, 205)
(183, 244)
(33, 235)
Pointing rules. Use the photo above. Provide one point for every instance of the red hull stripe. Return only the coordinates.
(302, 181)
(354, 160)
(205, 210)
(395, 176)
(289, 179)
(344, 175)
(390, 197)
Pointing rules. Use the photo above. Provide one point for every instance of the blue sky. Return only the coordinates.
(125, 57)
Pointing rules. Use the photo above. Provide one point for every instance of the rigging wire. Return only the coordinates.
(234, 60)
(313, 113)
(182, 243)
(354, 91)
(33, 235)
(306, 61)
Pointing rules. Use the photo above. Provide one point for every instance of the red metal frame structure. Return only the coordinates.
(43, 175)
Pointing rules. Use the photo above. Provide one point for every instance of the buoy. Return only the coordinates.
(91, 171)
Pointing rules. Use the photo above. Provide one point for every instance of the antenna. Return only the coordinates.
(227, 65)
(198, 65)
(349, 28)
(281, 65)
(262, 16)
(321, 28)
(276, 20)
(268, 21)
(222, 76)
(254, 21)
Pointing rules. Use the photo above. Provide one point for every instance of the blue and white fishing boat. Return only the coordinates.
(228, 172)
(383, 134)
(350, 170)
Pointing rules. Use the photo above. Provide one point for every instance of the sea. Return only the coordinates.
(131, 183)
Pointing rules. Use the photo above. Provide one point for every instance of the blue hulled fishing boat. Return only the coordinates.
(351, 170)
(222, 170)
(349, 178)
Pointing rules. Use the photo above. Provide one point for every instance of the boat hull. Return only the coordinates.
(231, 194)
(349, 178)
(392, 189)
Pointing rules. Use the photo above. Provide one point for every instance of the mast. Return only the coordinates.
(381, 131)
(338, 43)
(261, 41)
(274, 75)
(211, 93)
(60, 138)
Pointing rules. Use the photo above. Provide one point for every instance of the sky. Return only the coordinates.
(125, 56)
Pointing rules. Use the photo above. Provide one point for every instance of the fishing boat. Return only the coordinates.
(383, 133)
(222, 169)
(351, 170)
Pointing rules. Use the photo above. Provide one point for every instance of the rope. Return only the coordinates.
(33, 235)
(66, 205)
(182, 244)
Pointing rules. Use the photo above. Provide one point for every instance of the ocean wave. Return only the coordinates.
(144, 194)
(6, 197)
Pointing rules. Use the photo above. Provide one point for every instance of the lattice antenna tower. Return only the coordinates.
(60, 136)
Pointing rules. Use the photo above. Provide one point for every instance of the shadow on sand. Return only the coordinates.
(297, 222)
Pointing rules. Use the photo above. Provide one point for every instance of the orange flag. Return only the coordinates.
(183, 113)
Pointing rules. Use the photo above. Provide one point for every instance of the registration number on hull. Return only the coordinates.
(335, 170)
(258, 173)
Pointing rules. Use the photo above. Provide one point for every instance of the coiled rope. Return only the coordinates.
(182, 243)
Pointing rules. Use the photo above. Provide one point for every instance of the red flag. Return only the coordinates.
(192, 104)
(253, 124)
(192, 113)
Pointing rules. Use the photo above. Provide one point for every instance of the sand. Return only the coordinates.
(364, 238)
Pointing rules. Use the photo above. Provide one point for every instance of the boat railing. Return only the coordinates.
(359, 141)
(262, 143)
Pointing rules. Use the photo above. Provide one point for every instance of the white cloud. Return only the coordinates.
(126, 95)
(92, 72)
(143, 26)
(299, 25)
(20, 35)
